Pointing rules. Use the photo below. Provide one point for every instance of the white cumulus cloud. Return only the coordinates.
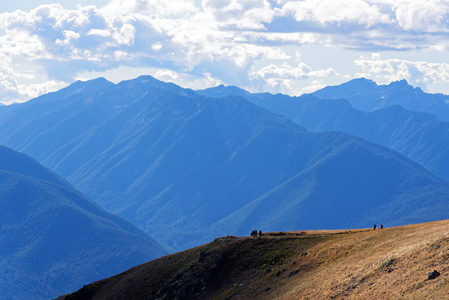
(418, 73)
(187, 80)
(290, 79)
(421, 16)
(234, 41)
(331, 11)
(120, 8)
(242, 14)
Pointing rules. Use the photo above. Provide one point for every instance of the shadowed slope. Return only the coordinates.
(53, 239)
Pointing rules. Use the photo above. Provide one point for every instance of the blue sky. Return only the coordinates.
(291, 47)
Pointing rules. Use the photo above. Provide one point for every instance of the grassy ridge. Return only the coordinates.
(353, 264)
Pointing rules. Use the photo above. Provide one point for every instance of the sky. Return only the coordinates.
(291, 47)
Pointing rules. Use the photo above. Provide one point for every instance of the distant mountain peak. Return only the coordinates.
(361, 82)
(147, 78)
(402, 81)
(223, 91)
(400, 84)
(98, 81)
(366, 95)
(87, 86)
(146, 81)
(357, 86)
(363, 79)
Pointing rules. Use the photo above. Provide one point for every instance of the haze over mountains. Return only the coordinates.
(366, 95)
(187, 168)
(53, 240)
(418, 135)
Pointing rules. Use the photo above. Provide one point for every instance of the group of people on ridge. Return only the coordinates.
(381, 226)
(254, 233)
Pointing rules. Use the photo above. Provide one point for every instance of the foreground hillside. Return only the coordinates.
(53, 239)
(390, 263)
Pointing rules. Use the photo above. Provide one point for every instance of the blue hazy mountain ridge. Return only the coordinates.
(347, 191)
(419, 136)
(53, 240)
(70, 113)
(177, 164)
(366, 95)
(20, 163)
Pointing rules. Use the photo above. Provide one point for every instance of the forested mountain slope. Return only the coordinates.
(419, 136)
(185, 167)
(53, 239)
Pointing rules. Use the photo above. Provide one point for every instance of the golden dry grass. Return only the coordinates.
(383, 264)
(391, 263)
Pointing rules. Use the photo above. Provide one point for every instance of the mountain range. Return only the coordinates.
(53, 240)
(366, 95)
(186, 167)
(418, 135)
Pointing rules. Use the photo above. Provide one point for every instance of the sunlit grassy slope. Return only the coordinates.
(390, 263)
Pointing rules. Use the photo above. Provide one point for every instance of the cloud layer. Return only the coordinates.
(241, 42)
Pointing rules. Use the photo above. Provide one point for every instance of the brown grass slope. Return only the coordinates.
(390, 263)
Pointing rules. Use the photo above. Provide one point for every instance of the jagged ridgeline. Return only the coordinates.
(366, 95)
(53, 240)
(187, 168)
